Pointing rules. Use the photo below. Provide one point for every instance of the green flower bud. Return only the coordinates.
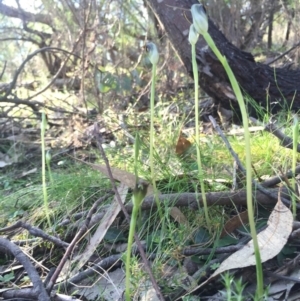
(199, 18)
(139, 192)
(48, 157)
(193, 35)
(152, 52)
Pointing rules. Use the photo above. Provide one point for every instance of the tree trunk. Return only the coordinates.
(274, 89)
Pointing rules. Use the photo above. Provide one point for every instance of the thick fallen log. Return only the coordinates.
(223, 198)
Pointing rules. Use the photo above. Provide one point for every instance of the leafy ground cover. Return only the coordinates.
(89, 231)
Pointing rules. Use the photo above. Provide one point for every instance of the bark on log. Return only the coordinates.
(274, 89)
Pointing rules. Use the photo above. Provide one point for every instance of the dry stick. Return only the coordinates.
(283, 54)
(286, 141)
(34, 105)
(208, 251)
(137, 240)
(72, 245)
(97, 267)
(19, 294)
(3, 70)
(241, 167)
(295, 234)
(30, 56)
(94, 219)
(35, 232)
(39, 290)
(17, 73)
(222, 198)
(282, 277)
(287, 267)
(278, 179)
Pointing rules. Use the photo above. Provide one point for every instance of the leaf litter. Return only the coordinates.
(271, 241)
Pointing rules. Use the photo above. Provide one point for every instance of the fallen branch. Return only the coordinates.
(242, 169)
(38, 291)
(285, 140)
(278, 179)
(36, 232)
(208, 251)
(223, 198)
(96, 268)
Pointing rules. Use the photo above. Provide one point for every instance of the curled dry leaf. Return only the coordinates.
(270, 241)
(235, 222)
(178, 216)
(182, 145)
(122, 176)
(106, 222)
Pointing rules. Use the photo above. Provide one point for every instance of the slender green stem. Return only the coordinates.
(134, 215)
(200, 169)
(240, 99)
(49, 172)
(152, 121)
(136, 155)
(136, 160)
(294, 161)
(43, 130)
(152, 170)
(48, 163)
(139, 194)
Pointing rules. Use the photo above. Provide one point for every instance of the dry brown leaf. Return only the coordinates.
(270, 241)
(119, 175)
(26, 173)
(178, 215)
(235, 222)
(182, 145)
(106, 222)
(122, 176)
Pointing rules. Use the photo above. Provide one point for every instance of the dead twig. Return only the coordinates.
(3, 70)
(278, 179)
(285, 140)
(208, 251)
(222, 198)
(38, 291)
(97, 267)
(77, 216)
(35, 105)
(241, 167)
(35, 232)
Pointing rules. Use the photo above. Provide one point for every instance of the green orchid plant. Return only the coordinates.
(200, 23)
(44, 161)
(140, 189)
(193, 38)
(153, 57)
(139, 193)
